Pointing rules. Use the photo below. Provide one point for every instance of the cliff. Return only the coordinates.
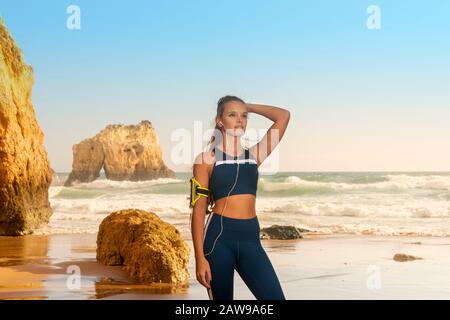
(25, 173)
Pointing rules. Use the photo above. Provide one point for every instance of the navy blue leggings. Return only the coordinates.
(239, 248)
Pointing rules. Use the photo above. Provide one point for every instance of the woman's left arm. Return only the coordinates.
(273, 136)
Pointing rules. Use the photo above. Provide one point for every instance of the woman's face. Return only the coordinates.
(234, 118)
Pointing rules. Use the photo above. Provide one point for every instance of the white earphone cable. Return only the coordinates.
(221, 215)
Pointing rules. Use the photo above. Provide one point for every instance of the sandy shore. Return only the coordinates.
(332, 267)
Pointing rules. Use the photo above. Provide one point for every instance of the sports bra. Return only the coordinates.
(224, 174)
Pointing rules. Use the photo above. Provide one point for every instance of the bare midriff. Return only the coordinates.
(238, 206)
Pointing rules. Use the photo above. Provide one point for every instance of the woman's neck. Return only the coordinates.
(231, 146)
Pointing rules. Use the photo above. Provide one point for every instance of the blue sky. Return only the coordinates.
(360, 99)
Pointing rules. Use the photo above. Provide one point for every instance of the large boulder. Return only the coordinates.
(151, 250)
(126, 152)
(25, 173)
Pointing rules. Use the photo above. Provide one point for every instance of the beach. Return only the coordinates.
(315, 267)
(107, 124)
(354, 225)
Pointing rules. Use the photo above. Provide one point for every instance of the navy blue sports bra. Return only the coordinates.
(224, 174)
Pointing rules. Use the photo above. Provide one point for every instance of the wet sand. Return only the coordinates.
(317, 267)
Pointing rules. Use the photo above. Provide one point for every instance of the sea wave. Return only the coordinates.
(292, 185)
(373, 203)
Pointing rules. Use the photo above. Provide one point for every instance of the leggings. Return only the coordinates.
(238, 248)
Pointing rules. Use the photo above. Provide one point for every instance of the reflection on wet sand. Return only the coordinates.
(21, 259)
(23, 250)
(25, 298)
(108, 287)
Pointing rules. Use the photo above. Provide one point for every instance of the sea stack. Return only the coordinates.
(25, 173)
(125, 152)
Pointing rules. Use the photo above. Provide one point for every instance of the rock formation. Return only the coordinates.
(126, 152)
(281, 232)
(402, 257)
(25, 174)
(151, 250)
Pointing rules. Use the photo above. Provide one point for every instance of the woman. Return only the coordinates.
(230, 241)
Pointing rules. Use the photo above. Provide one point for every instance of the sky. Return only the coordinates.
(361, 99)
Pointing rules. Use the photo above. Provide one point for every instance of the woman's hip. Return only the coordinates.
(231, 228)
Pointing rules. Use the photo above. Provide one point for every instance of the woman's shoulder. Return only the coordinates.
(204, 164)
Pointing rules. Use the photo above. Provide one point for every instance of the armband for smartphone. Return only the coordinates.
(197, 191)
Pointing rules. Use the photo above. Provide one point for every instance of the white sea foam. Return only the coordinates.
(384, 204)
(393, 183)
(105, 183)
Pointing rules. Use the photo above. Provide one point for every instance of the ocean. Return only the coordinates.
(378, 203)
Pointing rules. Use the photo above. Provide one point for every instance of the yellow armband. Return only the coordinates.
(197, 191)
